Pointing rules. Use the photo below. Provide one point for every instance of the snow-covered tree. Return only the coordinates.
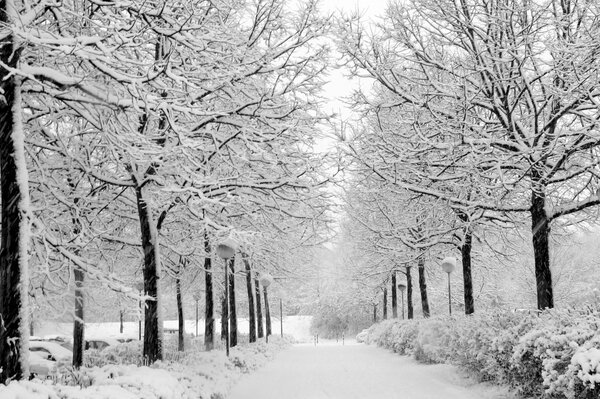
(501, 91)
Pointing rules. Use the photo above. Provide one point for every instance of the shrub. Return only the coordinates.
(553, 355)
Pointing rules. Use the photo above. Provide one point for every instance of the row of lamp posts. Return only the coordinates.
(448, 266)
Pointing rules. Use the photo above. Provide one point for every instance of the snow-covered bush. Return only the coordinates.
(583, 374)
(125, 353)
(552, 355)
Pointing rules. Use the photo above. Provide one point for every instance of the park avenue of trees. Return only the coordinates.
(136, 138)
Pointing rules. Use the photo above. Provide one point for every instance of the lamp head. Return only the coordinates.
(401, 286)
(226, 248)
(449, 264)
(266, 279)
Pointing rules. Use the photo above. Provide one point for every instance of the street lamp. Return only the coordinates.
(448, 265)
(402, 287)
(196, 298)
(281, 316)
(266, 279)
(140, 288)
(226, 250)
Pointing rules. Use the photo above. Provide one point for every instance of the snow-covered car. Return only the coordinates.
(51, 351)
(125, 340)
(39, 366)
(361, 336)
(62, 340)
(100, 343)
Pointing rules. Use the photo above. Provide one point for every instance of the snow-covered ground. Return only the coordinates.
(295, 326)
(196, 374)
(356, 371)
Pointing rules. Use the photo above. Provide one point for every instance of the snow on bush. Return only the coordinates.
(552, 355)
(125, 353)
(195, 375)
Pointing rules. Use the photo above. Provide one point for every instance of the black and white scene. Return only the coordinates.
(300, 199)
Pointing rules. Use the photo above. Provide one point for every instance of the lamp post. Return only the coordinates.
(140, 288)
(281, 316)
(196, 298)
(226, 250)
(448, 265)
(402, 287)
(266, 280)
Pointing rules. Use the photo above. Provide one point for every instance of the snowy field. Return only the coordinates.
(357, 371)
(295, 326)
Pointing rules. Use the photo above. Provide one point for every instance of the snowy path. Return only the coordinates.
(332, 371)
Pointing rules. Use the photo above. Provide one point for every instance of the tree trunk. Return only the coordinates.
(233, 331)
(209, 310)
(385, 303)
(78, 326)
(466, 265)
(540, 226)
(267, 314)
(79, 277)
(181, 324)
(152, 321)
(120, 321)
(394, 297)
(14, 276)
(224, 322)
(423, 287)
(259, 323)
(251, 315)
(375, 313)
(409, 289)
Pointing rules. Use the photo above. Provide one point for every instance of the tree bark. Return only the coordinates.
(409, 290)
(251, 315)
(79, 277)
(78, 325)
(14, 276)
(385, 303)
(423, 287)
(180, 319)
(375, 313)
(233, 331)
(259, 323)
(540, 226)
(152, 322)
(466, 266)
(120, 321)
(224, 323)
(209, 311)
(394, 296)
(267, 314)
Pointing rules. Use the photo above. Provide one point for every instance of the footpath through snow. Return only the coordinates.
(333, 371)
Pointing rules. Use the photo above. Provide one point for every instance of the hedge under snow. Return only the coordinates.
(552, 355)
